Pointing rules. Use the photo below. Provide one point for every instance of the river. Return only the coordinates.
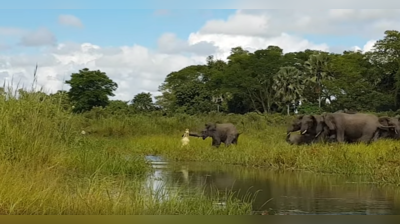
(278, 192)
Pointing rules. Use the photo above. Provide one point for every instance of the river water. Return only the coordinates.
(277, 192)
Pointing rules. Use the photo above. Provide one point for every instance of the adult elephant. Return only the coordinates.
(359, 127)
(346, 111)
(220, 133)
(310, 125)
(393, 133)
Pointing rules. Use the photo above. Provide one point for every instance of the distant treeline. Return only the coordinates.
(265, 81)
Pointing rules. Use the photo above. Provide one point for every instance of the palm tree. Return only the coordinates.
(289, 85)
(317, 66)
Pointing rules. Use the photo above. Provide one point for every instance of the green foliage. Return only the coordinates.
(255, 81)
(90, 89)
(49, 167)
(143, 102)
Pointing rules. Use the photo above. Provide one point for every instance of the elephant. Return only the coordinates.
(393, 133)
(310, 125)
(346, 111)
(298, 139)
(359, 127)
(220, 133)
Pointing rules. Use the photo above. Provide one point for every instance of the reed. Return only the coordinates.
(49, 166)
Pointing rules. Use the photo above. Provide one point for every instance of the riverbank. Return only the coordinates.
(55, 162)
(50, 166)
(379, 162)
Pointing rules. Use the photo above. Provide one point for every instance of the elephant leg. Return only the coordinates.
(234, 141)
(216, 142)
(376, 136)
(340, 135)
(366, 138)
(230, 139)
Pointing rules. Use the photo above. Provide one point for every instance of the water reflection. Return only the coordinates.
(279, 192)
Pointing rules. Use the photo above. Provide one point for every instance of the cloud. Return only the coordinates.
(133, 68)
(226, 42)
(239, 24)
(367, 47)
(11, 31)
(70, 20)
(366, 23)
(136, 68)
(306, 4)
(39, 37)
(169, 43)
(4, 47)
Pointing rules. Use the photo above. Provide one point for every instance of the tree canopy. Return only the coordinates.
(265, 81)
(270, 81)
(90, 89)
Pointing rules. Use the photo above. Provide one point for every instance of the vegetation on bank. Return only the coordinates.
(49, 167)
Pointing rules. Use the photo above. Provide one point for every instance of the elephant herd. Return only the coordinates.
(342, 126)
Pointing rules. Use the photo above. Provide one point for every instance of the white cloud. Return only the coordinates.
(367, 23)
(170, 44)
(136, 68)
(226, 42)
(239, 24)
(11, 31)
(367, 47)
(39, 37)
(70, 20)
(133, 68)
(306, 4)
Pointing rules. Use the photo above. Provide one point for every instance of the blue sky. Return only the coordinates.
(115, 4)
(136, 69)
(125, 27)
(113, 27)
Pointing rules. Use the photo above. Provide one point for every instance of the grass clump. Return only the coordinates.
(47, 166)
(51, 192)
(378, 161)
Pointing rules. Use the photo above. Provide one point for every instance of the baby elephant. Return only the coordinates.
(297, 139)
(220, 133)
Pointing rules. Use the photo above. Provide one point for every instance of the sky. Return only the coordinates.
(138, 48)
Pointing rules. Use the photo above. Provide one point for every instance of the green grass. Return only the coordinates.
(53, 192)
(380, 161)
(48, 167)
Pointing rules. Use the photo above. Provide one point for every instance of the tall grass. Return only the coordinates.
(47, 166)
(261, 144)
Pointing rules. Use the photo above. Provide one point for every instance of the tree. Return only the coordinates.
(386, 55)
(289, 86)
(318, 68)
(143, 102)
(186, 91)
(252, 74)
(90, 89)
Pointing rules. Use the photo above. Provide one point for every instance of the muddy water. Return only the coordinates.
(276, 192)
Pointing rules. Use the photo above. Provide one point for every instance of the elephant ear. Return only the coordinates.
(211, 126)
(318, 119)
(384, 120)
